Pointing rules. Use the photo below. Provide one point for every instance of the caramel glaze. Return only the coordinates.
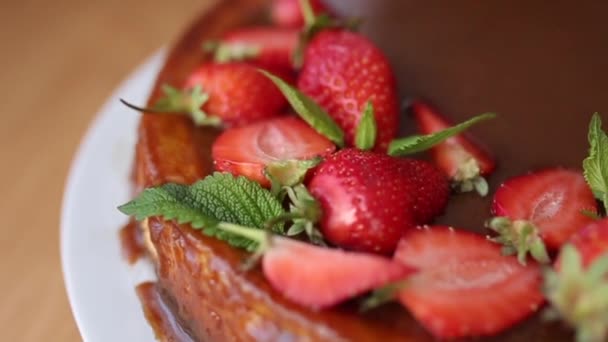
(131, 242)
(158, 313)
(542, 66)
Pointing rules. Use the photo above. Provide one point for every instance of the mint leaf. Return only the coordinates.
(419, 143)
(365, 138)
(309, 111)
(217, 199)
(595, 166)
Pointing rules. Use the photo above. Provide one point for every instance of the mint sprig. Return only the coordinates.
(418, 143)
(210, 203)
(365, 137)
(309, 111)
(595, 166)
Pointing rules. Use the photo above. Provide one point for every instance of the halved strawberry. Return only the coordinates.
(318, 277)
(464, 286)
(591, 241)
(548, 203)
(270, 48)
(248, 150)
(577, 289)
(463, 160)
(288, 13)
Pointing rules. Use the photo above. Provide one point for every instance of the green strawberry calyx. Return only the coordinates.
(468, 178)
(579, 295)
(305, 212)
(382, 295)
(224, 52)
(519, 237)
(313, 24)
(185, 102)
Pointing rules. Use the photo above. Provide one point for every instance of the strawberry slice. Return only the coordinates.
(248, 150)
(546, 204)
(591, 241)
(318, 277)
(270, 48)
(463, 160)
(464, 286)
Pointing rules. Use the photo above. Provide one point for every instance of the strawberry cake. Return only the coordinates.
(304, 175)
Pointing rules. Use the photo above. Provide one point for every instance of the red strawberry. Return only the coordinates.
(270, 48)
(464, 286)
(370, 199)
(577, 288)
(288, 13)
(318, 277)
(550, 199)
(342, 71)
(247, 150)
(591, 241)
(459, 157)
(238, 93)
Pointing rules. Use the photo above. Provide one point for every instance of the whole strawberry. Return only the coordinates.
(369, 199)
(236, 93)
(342, 71)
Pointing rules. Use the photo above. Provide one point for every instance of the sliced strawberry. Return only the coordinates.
(268, 47)
(464, 286)
(591, 241)
(370, 199)
(288, 13)
(318, 277)
(552, 200)
(463, 160)
(248, 150)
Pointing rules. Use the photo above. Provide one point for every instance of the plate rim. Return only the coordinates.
(151, 64)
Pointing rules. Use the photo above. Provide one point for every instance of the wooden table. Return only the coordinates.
(60, 60)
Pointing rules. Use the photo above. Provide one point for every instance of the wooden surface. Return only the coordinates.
(60, 60)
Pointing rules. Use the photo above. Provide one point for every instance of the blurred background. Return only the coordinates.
(60, 60)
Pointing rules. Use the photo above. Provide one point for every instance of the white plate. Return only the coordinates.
(99, 282)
